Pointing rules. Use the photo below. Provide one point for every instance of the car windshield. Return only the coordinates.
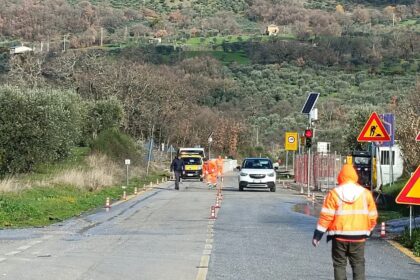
(257, 164)
(361, 160)
(192, 161)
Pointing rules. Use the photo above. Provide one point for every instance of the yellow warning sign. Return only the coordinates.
(291, 141)
(410, 194)
(373, 130)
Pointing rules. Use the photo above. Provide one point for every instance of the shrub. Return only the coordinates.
(116, 145)
(413, 243)
(36, 126)
(101, 115)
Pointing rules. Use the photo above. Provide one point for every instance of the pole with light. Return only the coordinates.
(308, 110)
(210, 140)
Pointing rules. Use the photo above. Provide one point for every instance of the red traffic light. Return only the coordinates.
(309, 133)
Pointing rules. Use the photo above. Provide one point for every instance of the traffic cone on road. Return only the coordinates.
(213, 213)
(383, 233)
(107, 204)
(217, 202)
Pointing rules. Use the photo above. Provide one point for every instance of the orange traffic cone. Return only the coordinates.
(213, 213)
(107, 204)
(383, 233)
(217, 203)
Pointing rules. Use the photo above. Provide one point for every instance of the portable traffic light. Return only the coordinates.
(308, 138)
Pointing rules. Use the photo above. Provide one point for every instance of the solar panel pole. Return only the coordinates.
(309, 160)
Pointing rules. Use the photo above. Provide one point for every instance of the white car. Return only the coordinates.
(257, 173)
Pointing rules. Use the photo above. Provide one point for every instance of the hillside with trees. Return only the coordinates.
(179, 70)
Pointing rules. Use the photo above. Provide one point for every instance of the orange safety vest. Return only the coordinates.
(348, 213)
(212, 167)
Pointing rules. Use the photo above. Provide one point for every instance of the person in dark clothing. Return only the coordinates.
(178, 167)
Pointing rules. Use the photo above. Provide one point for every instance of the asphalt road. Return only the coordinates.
(166, 234)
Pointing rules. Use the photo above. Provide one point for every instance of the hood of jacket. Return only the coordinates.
(348, 189)
(347, 175)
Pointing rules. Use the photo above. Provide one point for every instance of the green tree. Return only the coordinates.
(36, 126)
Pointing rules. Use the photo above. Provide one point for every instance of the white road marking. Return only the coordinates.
(23, 248)
(12, 253)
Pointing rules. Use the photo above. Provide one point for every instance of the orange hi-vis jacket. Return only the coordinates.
(212, 167)
(349, 210)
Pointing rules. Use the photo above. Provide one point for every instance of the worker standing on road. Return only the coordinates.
(348, 215)
(212, 173)
(219, 165)
(178, 167)
(205, 171)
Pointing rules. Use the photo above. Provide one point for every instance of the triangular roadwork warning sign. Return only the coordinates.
(418, 137)
(410, 194)
(374, 130)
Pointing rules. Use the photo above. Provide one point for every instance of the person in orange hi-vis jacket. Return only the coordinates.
(212, 171)
(219, 164)
(205, 171)
(348, 215)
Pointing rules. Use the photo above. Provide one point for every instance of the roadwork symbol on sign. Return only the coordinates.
(410, 194)
(418, 137)
(291, 141)
(374, 130)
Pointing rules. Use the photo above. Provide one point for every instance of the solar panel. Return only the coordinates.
(310, 102)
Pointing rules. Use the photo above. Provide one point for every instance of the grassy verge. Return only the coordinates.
(41, 206)
(57, 191)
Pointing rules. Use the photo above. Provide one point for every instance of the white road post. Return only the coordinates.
(127, 163)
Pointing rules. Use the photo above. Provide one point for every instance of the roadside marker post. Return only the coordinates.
(107, 204)
(135, 190)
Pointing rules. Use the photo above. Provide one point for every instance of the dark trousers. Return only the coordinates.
(177, 179)
(355, 253)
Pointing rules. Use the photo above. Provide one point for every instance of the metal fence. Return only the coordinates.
(323, 171)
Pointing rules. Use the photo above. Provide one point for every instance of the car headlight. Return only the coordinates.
(271, 174)
(243, 174)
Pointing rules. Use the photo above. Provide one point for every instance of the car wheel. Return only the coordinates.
(273, 189)
(241, 189)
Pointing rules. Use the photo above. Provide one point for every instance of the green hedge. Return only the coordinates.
(117, 146)
(36, 126)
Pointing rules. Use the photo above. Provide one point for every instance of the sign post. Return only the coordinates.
(410, 194)
(290, 144)
(389, 124)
